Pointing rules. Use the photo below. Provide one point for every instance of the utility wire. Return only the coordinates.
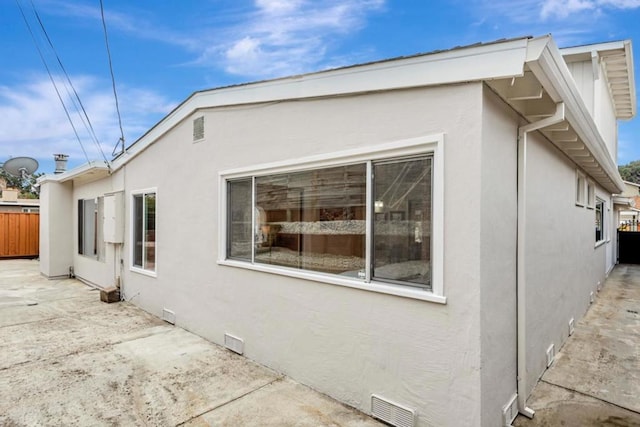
(113, 80)
(88, 124)
(44, 62)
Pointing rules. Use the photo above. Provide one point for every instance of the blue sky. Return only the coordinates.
(163, 51)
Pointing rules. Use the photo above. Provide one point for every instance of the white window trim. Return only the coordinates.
(135, 269)
(603, 231)
(99, 243)
(591, 195)
(429, 144)
(580, 182)
(610, 225)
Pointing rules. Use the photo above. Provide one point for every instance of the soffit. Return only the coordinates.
(617, 61)
(82, 175)
(531, 100)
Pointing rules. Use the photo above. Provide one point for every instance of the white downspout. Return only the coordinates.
(521, 306)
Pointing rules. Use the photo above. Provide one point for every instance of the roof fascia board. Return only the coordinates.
(73, 174)
(628, 53)
(476, 63)
(553, 73)
(581, 53)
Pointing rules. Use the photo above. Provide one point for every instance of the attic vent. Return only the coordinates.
(198, 128)
(234, 344)
(392, 413)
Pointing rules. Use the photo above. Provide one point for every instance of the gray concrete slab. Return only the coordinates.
(595, 378)
(68, 359)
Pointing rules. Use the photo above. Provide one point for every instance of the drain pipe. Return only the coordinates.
(521, 306)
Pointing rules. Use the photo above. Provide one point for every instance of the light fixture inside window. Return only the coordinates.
(378, 206)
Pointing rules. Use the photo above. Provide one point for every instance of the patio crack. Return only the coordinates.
(280, 378)
(617, 405)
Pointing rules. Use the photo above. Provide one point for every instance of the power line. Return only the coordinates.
(113, 80)
(44, 62)
(77, 97)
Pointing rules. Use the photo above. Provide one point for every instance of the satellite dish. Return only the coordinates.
(21, 167)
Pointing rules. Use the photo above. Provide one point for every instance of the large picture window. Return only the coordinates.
(144, 230)
(369, 220)
(90, 222)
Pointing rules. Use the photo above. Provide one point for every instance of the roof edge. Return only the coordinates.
(502, 59)
(552, 71)
(75, 173)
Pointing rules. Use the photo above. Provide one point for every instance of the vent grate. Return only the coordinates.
(168, 316)
(510, 411)
(198, 128)
(392, 413)
(551, 354)
(234, 344)
(571, 327)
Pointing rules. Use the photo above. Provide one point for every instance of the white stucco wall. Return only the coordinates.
(498, 244)
(100, 272)
(56, 229)
(563, 266)
(455, 363)
(345, 342)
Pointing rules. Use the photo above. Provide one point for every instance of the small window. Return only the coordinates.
(90, 222)
(591, 195)
(144, 231)
(198, 129)
(580, 188)
(600, 229)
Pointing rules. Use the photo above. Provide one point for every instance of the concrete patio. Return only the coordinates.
(595, 378)
(68, 359)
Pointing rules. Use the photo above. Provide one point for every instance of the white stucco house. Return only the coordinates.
(413, 237)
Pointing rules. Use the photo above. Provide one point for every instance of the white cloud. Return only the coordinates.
(33, 122)
(287, 37)
(133, 24)
(269, 39)
(561, 9)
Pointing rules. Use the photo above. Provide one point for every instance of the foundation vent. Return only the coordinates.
(234, 344)
(392, 413)
(510, 411)
(168, 316)
(571, 328)
(551, 354)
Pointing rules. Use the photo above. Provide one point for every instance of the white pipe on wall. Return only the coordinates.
(523, 131)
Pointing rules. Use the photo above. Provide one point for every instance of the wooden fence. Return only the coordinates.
(19, 235)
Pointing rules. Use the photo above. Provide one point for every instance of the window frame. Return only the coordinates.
(96, 222)
(580, 187)
(132, 233)
(425, 145)
(603, 218)
(591, 194)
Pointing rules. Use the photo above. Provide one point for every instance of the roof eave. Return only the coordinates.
(550, 69)
(474, 63)
(624, 93)
(86, 173)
